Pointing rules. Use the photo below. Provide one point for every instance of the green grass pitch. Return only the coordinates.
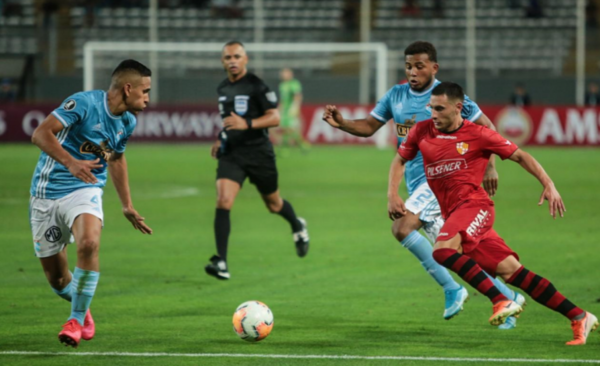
(358, 292)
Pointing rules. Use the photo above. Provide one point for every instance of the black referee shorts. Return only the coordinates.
(257, 164)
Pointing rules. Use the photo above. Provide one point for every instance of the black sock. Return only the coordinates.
(287, 212)
(222, 229)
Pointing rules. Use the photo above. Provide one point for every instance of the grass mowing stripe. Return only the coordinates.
(332, 357)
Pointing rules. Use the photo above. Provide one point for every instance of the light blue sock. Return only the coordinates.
(65, 293)
(83, 287)
(510, 294)
(421, 248)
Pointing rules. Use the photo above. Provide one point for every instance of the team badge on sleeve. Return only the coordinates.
(241, 104)
(70, 105)
(462, 147)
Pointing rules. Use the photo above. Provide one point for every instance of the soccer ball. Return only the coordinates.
(252, 321)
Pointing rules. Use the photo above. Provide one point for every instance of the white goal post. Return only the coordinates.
(379, 49)
(93, 50)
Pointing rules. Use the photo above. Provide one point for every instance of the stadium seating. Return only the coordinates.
(506, 38)
(289, 21)
(18, 31)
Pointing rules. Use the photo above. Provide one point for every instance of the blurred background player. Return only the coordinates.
(79, 140)
(407, 104)
(467, 243)
(592, 95)
(248, 108)
(290, 94)
(520, 97)
(7, 91)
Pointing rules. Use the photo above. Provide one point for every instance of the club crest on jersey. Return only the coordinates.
(402, 130)
(462, 147)
(241, 104)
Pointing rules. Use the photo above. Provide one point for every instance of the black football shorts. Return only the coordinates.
(257, 164)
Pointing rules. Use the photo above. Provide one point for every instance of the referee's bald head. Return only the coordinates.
(234, 42)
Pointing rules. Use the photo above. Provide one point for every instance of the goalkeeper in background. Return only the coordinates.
(290, 95)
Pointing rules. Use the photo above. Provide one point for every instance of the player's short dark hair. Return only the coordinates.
(132, 66)
(418, 47)
(234, 42)
(450, 89)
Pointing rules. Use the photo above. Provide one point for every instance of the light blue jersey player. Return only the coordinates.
(90, 132)
(406, 105)
(80, 141)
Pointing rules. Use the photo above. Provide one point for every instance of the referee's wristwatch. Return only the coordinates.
(249, 122)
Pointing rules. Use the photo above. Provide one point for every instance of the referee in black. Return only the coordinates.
(248, 108)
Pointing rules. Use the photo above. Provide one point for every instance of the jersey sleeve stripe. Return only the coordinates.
(60, 119)
(378, 117)
(476, 116)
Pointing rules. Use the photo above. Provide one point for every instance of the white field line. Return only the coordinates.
(304, 357)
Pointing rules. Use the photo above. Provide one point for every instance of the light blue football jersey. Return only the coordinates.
(407, 107)
(90, 131)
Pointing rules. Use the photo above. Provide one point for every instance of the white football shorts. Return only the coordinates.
(423, 203)
(51, 220)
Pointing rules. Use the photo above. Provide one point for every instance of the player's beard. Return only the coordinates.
(425, 86)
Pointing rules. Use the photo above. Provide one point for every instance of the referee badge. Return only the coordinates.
(241, 104)
(271, 97)
(462, 147)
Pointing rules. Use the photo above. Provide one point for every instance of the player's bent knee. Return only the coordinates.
(58, 282)
(225, 203)
(398, 234)
(507, 268)
(274, 202)
(402, 228)
(274, 208)
(88, 247)
(439, 245)
(454, 243)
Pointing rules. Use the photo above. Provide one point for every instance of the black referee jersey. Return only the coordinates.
(248, 97)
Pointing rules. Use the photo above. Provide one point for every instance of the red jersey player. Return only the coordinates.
(455, 153)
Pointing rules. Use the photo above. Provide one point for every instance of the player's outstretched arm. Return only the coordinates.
(396, 208)
(490, 178)
(117, 167)
(528, 162)
(365, 127)
(44, 137)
